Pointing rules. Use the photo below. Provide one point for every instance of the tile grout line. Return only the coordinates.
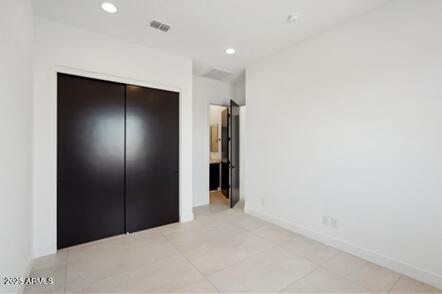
(365, 262)
(237, 262)
(297, 280)
(276, 243)
(307, 258)
(317, 266)
(395, 283)
(321, 266)
(191, 263)
(340, 275)
(247, 257)
(345, 278)
(80, 289)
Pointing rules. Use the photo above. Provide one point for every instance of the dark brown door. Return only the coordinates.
(214, 176)
(234, 153)
(225, 173)
(152, 138)
(90, 166)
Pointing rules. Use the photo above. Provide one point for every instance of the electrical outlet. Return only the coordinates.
(325, 220)
(334, 223)
(262, 201)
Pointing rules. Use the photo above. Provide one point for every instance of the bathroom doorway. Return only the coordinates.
(224, 155)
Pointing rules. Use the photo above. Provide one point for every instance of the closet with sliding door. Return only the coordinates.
(117, 159)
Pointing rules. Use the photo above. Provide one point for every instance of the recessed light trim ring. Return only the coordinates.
(109, 7)
(230, 51)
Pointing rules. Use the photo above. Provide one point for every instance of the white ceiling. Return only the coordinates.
(203, 29)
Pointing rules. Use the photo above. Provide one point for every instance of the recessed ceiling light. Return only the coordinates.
(293, 17)
(230, 51)
(109, 7)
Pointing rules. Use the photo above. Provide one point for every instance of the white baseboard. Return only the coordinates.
(186, 217)
(201, 204)
(45, 250)
(404, 268)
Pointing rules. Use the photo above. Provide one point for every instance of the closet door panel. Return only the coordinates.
(152, 158)
(90, 167)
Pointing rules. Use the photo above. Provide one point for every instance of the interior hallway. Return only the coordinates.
(218, 203)
(223, 250)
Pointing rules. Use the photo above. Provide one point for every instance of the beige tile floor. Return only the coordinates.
(222, 250)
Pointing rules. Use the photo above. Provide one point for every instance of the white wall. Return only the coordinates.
(205, 92)
(239, 90)
(16, 36)
(242, 152)
(63, 48)
(348, 124)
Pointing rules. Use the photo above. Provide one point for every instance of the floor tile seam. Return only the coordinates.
(249, 229)
(345, 278)
(367, 263)
(241, 260)
(276, 243)
(394, 284)
(262, 238)
(299, 279)
(60, 267)
(48, 268)
(122, 270)
(334, 257)
(303, 257)
(80, 289)
(273, 245)
(321, 266)
(105, 257)
(194, 266)
(164, 234)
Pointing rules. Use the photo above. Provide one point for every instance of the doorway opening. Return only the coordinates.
(224, 156)
(219, 181)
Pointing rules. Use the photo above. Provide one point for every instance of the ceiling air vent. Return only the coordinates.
(159, 25)
(216, 74)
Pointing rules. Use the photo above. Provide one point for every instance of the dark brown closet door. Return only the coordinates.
(90, 173)
(152, 138)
